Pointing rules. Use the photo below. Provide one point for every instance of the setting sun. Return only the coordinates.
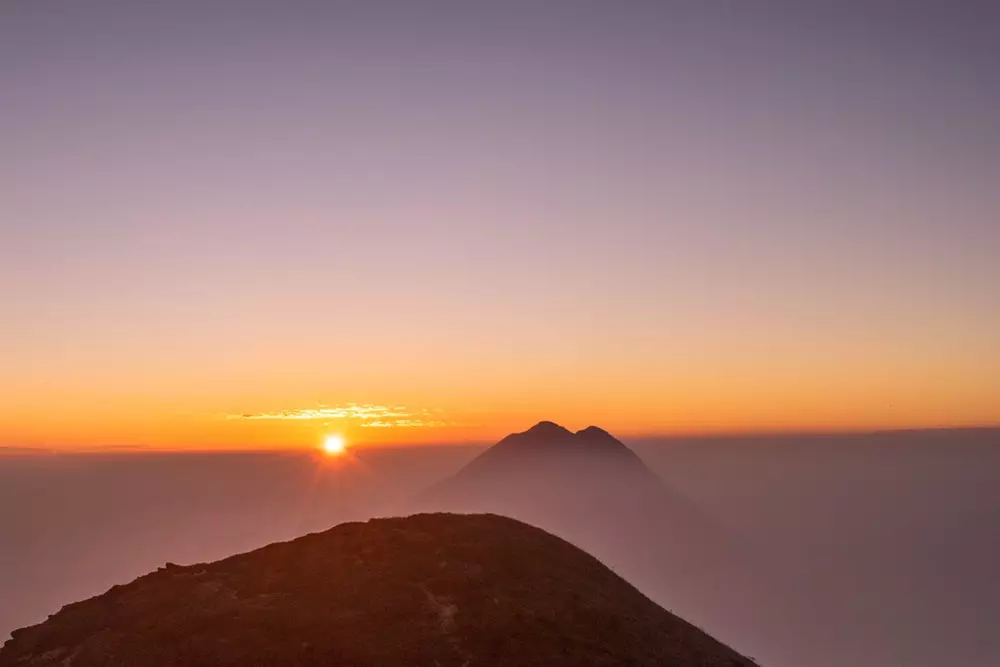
(334, 445)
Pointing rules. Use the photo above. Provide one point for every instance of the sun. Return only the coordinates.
(334, 445)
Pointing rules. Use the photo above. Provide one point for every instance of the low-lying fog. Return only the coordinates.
(893, 538)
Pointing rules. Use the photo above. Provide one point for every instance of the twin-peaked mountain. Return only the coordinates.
(548, 443)
(591, 489)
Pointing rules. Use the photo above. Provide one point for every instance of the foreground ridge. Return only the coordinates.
(430, 589)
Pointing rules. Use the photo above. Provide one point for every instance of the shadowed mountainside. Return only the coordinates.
(591, 489)
(424, 590)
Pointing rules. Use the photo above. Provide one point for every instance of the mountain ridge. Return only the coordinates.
(431, 589)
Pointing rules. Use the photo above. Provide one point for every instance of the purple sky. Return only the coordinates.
(773, 197)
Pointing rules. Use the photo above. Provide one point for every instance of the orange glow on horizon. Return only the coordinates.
(142, 427)
(284, 410)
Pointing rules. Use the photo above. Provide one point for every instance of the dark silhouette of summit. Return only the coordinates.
(549, 444)
(544, 429)
(591, 489)
(550, 434)
(443, 590)
(550, 472)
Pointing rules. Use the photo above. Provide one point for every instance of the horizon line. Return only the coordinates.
(639, 438)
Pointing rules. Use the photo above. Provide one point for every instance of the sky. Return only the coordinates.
(249, 224)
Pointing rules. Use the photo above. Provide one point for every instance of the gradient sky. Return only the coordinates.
(224, 223)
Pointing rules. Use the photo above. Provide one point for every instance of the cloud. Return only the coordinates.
(368, 414)
(404, 423)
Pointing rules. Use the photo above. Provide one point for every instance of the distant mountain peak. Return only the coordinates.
(550, 449)
(549, 439)
(547, 429)
(593, 432)
(550, 435)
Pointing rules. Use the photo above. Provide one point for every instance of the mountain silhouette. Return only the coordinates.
(591, 489)
(425, 590)
(548, 444)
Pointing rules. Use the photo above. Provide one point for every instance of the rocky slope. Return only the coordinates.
(432, 589)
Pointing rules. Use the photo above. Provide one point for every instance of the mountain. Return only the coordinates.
(591, 489)
(549, 444)
(424, 590)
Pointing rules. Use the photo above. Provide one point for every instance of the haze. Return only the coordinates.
(889, 538)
